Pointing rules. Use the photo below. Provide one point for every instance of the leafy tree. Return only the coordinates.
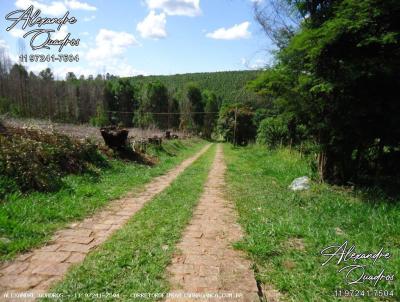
(273, 131)
(338, 76)
(154, 106)
(173, 110)
(70, 76)
(235, 124)
(46, 74)
(211, 115)
(122, 100)
(194, 97)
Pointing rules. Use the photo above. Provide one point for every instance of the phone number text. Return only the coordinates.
(49, 58)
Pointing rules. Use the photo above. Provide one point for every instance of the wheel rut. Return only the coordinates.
(205, 266)
(36, 271)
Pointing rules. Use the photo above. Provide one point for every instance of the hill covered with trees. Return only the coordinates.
(228, 85)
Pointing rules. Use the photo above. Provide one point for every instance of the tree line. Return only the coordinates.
(104, 100)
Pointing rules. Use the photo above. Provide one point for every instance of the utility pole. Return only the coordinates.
(234, 129)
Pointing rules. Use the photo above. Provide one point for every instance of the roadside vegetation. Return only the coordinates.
(333, 85)
(134, 259)
(32, 160)
(286, 230)
(28, 219)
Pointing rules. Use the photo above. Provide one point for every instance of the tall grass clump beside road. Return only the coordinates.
(286, 230)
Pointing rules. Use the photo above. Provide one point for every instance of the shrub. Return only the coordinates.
(34, 160)
(273, 131)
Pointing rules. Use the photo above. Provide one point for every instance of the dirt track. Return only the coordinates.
(37, 270)
(206, 262)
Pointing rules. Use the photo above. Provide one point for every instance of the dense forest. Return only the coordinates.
(228, 85)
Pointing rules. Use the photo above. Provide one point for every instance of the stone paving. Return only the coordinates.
(36, 271)
(205, 262)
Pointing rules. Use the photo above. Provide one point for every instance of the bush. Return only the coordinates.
(273, 131)
(37, 161)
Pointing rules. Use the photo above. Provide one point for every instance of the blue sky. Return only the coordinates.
(129, 37)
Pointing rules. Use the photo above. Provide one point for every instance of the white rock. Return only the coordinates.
(300, 183)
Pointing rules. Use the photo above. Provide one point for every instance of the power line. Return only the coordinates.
(161, 113)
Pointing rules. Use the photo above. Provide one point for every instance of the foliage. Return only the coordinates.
(100, 119)
(37, 161)
(228, 85)
(273, 132)
(46, 74)
(338, 77)
(121, 99)
(211, 108)
(7, 186)
(154, 102)
(235, 124)
(7, 107)
(195, 99)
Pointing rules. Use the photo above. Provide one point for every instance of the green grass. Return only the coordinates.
(272, 216)
(28, 221)
(134, 259)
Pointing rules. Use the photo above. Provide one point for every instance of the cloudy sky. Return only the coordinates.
(129, 37)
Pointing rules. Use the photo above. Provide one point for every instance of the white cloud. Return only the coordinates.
(74, 4)
(258, 64)
(123, 69)
(37, 67)
(55, 8)
(189, 8)
(110, 43)
(90, 18)
(254, 63)
(238, 31)
(106, 56)
(17, 32)
(61, 71)
(60, 34)
(3, 45)
(153, 26)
